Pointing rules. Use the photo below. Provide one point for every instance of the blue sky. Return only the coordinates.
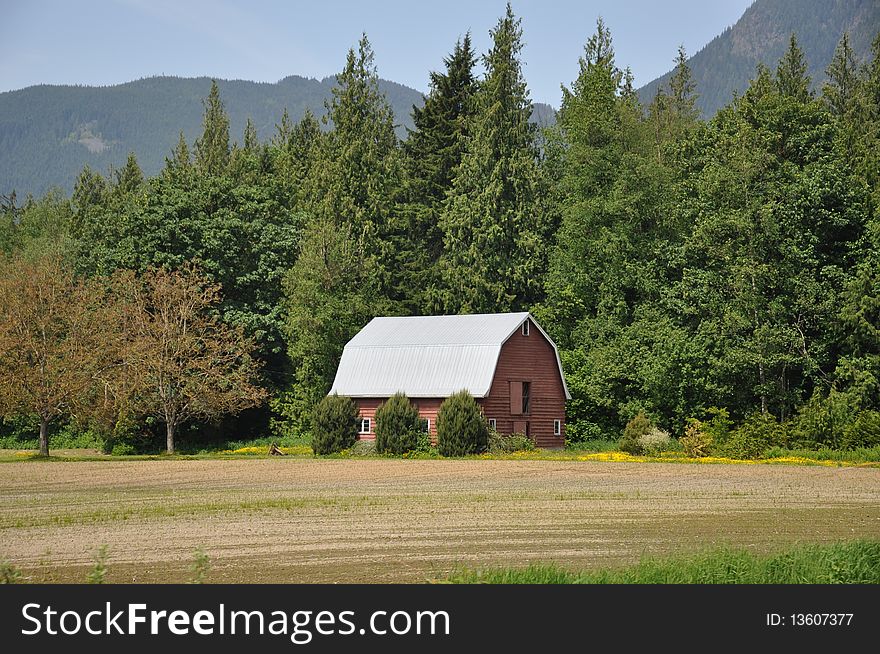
(101, 42)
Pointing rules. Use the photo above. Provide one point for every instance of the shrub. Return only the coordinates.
(752, 439)
(397, 425)
(505, 443)
(696, 442)
(635, 429)
(655, 441)
(582, 431)
(461, 428)
(864, 432)
(334, 424)
(123, 449)
(823, 420)
(718, 426)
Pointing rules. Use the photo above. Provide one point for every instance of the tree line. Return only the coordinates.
(682, 266)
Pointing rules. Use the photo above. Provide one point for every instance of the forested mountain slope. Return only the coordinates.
(761, 35)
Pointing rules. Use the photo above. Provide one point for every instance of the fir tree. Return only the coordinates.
(212, 148)
(494, 230)
(129, 178)
(841, 90)
(792, 80)
(434, 151)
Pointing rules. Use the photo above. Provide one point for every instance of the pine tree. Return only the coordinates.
(129, 178)
(495, 232)
(433, 152)
(357, 172)
(212, 148)
(841, 90)
(434, 148)
(179, 166)
(682, 91)
(792, 80)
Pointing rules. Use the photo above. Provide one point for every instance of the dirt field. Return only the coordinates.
(301, 520)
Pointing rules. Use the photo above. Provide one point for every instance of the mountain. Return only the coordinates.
(48, 133)
(727, 63)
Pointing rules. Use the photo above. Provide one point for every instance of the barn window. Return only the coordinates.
(526, 391)
(425, 424)
(557, 428)
(492, 423)
(525, 328)
(366, 424)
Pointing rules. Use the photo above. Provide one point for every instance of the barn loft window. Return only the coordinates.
(366, 424)
(525, 328)
(492, 423)
(557, 428)
(526, 391)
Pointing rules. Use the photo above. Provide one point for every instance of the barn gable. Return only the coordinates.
(428, 356)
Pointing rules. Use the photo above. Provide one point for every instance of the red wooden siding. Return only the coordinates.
(523, 359)
(427, 406)
(527, 359)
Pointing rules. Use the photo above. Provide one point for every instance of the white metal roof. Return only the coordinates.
(427, 356)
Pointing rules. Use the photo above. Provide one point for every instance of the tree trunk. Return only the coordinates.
(44, 437)
(169, 437)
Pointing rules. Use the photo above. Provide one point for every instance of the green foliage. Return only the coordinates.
(506, 443)
(656, 441)
(98, 573)
(856, 562)
(200, 567)
(752, 439)
(461, 428)
(495, 229)
(635, 430)
(823, 421)
(9, 574)
(696, 442)
(863, 432)
(397, 425)
(334, 424)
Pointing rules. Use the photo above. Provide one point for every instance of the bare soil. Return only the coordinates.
(303, 520)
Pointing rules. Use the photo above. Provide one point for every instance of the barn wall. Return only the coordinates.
(427, 407)
(532, 359)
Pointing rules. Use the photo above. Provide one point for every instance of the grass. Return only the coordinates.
(855, 562)
(595, 451)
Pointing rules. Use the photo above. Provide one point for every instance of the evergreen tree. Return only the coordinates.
(129, 178)
(212, 148)
(495, 231)
(434, 151)
(841, 91)
(356, 176)
(682, 90)
(792, 80)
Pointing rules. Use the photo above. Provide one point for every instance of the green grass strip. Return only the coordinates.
(854, 562)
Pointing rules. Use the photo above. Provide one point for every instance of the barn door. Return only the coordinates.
(516, 389)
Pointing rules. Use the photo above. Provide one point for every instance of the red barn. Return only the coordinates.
(505, 360)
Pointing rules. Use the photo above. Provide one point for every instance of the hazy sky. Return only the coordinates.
(101, 42)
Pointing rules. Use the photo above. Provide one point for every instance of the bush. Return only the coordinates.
(506, 443)
(718, 426)
(582, 431)
(397, 426)
(864, 432)
(754, 437)
(461, 428)
(334, 424)
(696, 442)
(655, 442)
(633, 432)
(823, 421)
